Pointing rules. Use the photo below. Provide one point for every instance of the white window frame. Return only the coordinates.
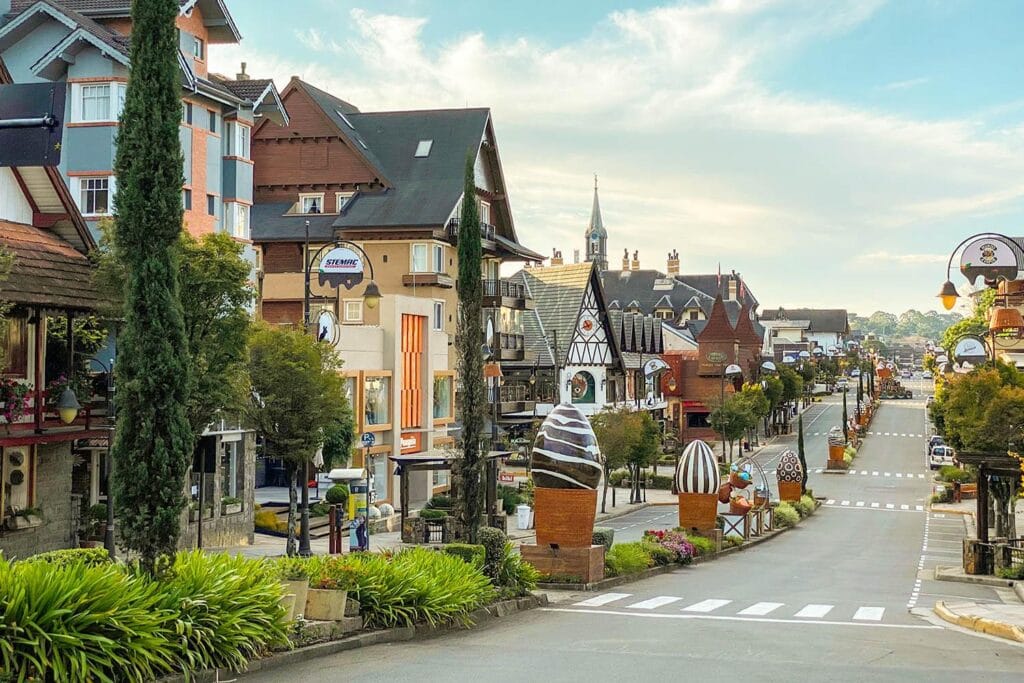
(116, 91)
(437, 253)
(237, 138)
(341, 200)
(413, 248)
(199, 48)
(352, 310)
(437, 316)
(484, 209)
(82, 181)
(236, 219)
(318, 196)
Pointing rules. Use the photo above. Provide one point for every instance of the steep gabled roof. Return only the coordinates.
(717, 327)
(260, 92)
(47, 271)
(745, 330)
(86, 28)
(820, 319)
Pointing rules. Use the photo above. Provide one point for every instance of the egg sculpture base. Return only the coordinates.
(586, 564)
(789, 491)
(835, 457)
(565, 516)
(698, 511)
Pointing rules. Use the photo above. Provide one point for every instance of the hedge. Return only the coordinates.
(603, 536)
(467, 552)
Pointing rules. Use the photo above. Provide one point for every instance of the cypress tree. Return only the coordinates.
(800, 453)
(153, 442)
(846, 427)
(472, 396)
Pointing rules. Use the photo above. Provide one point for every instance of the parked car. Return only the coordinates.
(906, 374)
(940, 455)
(933, 441)
(927, 374)
(842, 384)
(855, 373)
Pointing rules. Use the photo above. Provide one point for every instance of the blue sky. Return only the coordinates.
(832, 152)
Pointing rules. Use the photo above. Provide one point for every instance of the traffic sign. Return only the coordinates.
(369, 439)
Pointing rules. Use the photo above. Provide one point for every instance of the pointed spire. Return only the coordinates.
(596, 223)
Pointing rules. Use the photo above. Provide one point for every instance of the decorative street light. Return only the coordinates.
(990, 264)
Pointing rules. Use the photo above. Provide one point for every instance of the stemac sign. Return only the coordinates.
(341, 266)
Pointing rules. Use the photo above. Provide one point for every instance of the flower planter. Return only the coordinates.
(231, 508)
(19, 522)
(565, 516)
(698, 510)
(300, 589)
(737, 481)
(325, 605)
(193, 514)
(288, 602)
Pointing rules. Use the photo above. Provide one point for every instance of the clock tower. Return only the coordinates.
(596, 236)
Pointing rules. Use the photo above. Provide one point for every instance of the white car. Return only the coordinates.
(843, 383)
(940, 455)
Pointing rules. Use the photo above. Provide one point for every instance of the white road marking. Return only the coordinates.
(863, 472)
(874, 474)
(830, 501)
(707, 605)
(760, 609)
(769, 620)
(919, 508)
(904, 507)
(890, 506)
(920, 476)
(874, 505)
(860, 503)
(599, 600)
(887, 474)
(659, 601)
(869, 613)
(899, 475)
(845, 502)
(814, 611)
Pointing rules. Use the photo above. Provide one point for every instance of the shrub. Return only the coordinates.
(678, 543)
(617, 477)
(945, 497)
(603, 536)
(468, 552)
(440, 502)
(950, 473)
(291, 568)
(319, 510)
(627, 558)
(337, 495)
(785, 515)
(1016, 573)
(91, 557)
(805, 506)
(702, 545)
(733, 540)
(660, 481)
(510, 498)
(493, 540)
(230, 500)
(660, 554)
(515, 576)
(433, 514)
(265, 519)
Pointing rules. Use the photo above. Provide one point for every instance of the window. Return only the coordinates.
(95, 102)
(485, 213)
(238, 220)
(213, 122)
(377, 400)
(186, 113)
(94, 196)
(311, 203)
(186, 199)
(438, 258)
(583, 388)
(349, 388)
(732, 290)
(211, 205)
(444, 404)
(354, 311)
(419, 259)
(423, 148)
(341, 200)
(438, 317)
(232, 466)
(198, 48)
(236, 138)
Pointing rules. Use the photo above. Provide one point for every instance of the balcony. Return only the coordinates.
(452, 231)
(514, 398)
(502, 293)
(442, 280)
(508, 347)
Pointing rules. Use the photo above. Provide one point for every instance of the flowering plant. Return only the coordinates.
(15, 397)
(56, 388)
(675, 541)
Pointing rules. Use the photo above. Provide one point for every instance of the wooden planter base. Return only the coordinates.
(585, 563)
(698, 510)
(565, 517)
(789, 490)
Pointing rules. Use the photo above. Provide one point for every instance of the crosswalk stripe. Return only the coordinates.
(860, 503)
(814, 611)
(890, 506)
(874, 474)
(887, 474)
(874, 505)
(845, 502)
(706, 605)
(920, 476)
(830, 501)
(899, 475)
(919, 508)
(863, 472)
(904, 507)
(599, 600)
(869, 613)
(760, 609)
(659, 601)
(817, 471)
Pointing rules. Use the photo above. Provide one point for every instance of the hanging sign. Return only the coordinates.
(327, 328)
(654, 365)
(969, 350)
(717, 357)
(989, 257)
(341, 266)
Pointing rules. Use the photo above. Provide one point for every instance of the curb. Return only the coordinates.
(950, 511)
(980, 624)
(277, 660)
(1018, 588)
(979, 579)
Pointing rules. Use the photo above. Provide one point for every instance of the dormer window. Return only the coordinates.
(423, 148)
(311, 203)
(342, 199)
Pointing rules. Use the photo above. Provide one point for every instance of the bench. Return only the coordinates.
(968, 491)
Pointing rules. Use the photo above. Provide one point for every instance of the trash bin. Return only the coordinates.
(523, 516)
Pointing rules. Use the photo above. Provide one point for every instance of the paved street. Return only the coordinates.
(845, 596)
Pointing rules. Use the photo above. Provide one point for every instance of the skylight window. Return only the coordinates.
(345, 119)
(423, 148)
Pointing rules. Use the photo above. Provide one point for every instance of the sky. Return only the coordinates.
(834, 152)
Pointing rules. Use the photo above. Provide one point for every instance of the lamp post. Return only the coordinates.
(730, 370)
(346, 270)
(948, 293)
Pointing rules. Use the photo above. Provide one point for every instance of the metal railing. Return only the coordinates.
(452, 230)
(509, 393)
(504, 288)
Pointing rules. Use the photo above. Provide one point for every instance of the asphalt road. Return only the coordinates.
(842, 597)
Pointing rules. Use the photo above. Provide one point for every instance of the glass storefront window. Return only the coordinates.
(380, 476)
(349, 387)
(443, 397)
(377, 400)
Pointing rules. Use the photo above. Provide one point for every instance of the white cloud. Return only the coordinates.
(904, 85)
(877, 257)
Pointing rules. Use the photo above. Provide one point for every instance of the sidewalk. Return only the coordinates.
(1003, 621)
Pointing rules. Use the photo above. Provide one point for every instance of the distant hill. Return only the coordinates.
(908, 324)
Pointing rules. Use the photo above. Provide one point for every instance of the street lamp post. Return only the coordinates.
(948, 292)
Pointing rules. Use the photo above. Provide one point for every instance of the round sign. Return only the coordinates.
(341, 266)
(654, 365)
(587, 325)
(327, 328)
(368, 439)
(990, 257)
(970, 350)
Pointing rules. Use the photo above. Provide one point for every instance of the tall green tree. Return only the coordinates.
(846, 420)
(617, 432)
(800, 453)
(297, 396)
(153, 443)
(731, 419)
(473, 394)
(644, 451)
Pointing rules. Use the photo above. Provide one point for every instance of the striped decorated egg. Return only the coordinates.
(565, 452)
(697, 471)
(789, 468)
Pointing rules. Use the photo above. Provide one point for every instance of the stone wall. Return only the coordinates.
(53, 497)
(225, 531)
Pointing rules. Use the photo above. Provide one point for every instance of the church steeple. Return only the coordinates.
(596, 236)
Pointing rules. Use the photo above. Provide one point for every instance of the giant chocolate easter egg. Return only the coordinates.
(697, 471)
(789, 468)
(565, 452)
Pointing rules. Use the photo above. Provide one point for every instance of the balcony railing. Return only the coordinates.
(509, 393)
(504, 288)
(510, 342)
(452, 230)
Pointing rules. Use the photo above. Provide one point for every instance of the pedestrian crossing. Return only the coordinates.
(722, 607)
(889, 507)
(879, 473)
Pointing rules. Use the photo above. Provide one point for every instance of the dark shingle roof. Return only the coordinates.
(248, 90)
(47, 271)
(85, 6)
(821, 319)
(269, 223)
(639, 285)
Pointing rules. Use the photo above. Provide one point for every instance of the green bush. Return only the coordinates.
(627, 558)
(319, 509)
(91, 557)
(785, 516)
(703, 546)
(468, 552)
(1015, 573)
(515, 576)
(510, 498)
(660, 482)
(433, 514)
(733, 540)
(291, 568)
(946, 496)
(617, 477)
(266, 519)
(805, 506)
(493, 540)
(440, 502)
(660, 554)
(603, 536)
(951, 473)
(337, 495)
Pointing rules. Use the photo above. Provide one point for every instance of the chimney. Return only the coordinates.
(575, 255)
(673, 263)
(625, 259)
(636, 261)
(556, 257)
(242, 76)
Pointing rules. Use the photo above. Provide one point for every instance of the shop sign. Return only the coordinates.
(341, 266)
(989, 257)
(411, 442)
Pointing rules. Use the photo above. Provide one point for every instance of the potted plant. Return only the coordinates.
(294, 578)
(96, 526)
(25, 518)
(14, 397)
(230, 505)
(328, 595)
(193, 511)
